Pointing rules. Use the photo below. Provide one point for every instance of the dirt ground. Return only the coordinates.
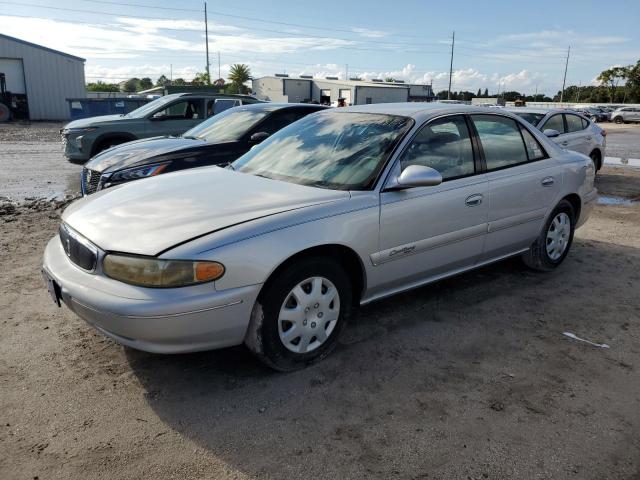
(469, 378)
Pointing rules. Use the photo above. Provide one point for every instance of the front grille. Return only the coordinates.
(79, 250)
(90, 181)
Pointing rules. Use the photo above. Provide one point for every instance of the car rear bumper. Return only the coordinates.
(175, 320)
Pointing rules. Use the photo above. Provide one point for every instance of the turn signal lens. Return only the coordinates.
(158, 273)
(207, 271)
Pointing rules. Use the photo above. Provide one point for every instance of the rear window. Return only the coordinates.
(574, 123)
(532, 118)
(555, 123)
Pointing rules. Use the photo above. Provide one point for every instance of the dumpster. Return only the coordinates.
(94, 107)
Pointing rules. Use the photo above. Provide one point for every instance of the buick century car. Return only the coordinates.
(339, 209)
(218, 140)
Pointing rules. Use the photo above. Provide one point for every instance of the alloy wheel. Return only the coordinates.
(308, 315)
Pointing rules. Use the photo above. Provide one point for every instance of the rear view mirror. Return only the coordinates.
(258, 137)
(551, 133)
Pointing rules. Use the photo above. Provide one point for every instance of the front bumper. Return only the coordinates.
(174, 320)
(70, 148)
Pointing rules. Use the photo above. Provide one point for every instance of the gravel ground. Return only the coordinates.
(470, 378)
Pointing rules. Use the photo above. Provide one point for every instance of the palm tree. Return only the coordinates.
(238, 74)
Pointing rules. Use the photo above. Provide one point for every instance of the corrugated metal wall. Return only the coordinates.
(50, 78)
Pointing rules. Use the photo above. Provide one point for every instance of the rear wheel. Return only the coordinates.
(5, 113)
(553, 244)
(595, 158)
(300, 313)
(618, 120)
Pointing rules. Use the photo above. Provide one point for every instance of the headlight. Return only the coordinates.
(137, 172)
(78, 130)
(157, 273)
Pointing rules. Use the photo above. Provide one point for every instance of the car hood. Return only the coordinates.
(94, 121)
(140, 152)
(149, 216)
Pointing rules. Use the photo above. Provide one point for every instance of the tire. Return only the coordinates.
(539, 257)
(106, 144)
(5, 113)
(595, 158)
(618, 120)
(279, 318)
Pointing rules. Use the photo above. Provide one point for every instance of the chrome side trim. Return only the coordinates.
(423, 245)
(428, 280)
(169, 315)
(517, 220)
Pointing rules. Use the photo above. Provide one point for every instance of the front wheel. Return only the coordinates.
(553, 244)
(300, 313)
(618, 120)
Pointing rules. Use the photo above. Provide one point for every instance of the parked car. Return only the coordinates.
(217, 141)
(169, 115)
(595, 114)
(569, 130)
(339, 209)
(626, 115)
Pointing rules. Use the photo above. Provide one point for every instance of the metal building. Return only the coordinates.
(282, 88)
(45, 76)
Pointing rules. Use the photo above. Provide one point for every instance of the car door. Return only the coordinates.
(428, 231)
(176, 118)
(523, 183)
(555, 122)
(576, 137)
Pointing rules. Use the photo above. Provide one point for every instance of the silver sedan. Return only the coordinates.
(339, 209)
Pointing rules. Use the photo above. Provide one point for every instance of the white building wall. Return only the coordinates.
(297, 91)
(380, 95)
(269, 89)
(49, 77)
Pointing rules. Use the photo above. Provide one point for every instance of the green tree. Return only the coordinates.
(479, 94)
(611, 77)
(163, 81)
(145, 83)
(239, 73)
(486, 93)
(179, 82)
(389, 79)
(130, 86)
(101, 86)
(201, 78)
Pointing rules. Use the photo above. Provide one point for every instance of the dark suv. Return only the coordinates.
(169, 115)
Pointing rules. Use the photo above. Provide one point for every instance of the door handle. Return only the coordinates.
(473, 200)
(547, 182)
(565, 143)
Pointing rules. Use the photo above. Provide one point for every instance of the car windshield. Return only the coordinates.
(339, 151)
(532, 118)
(150, 107)
(227, 126)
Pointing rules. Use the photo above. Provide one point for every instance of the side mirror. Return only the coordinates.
(258, 137)
(551, 133)
(418, 176)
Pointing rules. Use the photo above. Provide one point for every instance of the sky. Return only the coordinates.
(499, 45)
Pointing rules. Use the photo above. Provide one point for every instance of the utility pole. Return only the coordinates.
(346, 71)
(171, 72)
(453, 42)
(566, 65)
(206, 39)
(535, 97)
(219, 74)
(579, 87)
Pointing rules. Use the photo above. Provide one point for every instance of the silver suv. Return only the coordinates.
(626, 115)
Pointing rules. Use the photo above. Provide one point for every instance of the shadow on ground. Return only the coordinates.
(470, 376)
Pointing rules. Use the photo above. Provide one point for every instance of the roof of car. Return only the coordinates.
(271, 106)
(417, 109)
(543, 111)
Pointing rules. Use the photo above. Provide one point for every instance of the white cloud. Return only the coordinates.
(366, 32)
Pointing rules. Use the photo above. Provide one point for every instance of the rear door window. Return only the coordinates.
(224, 104)
(280, 119)
(555, 123)
(574, 123)
(501, 141)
